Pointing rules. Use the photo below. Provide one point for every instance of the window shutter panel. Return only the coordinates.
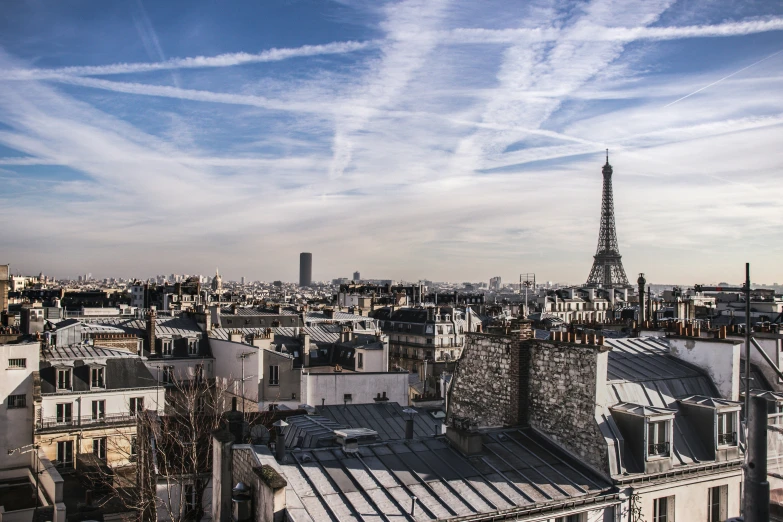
(670, 509)
(724, 502)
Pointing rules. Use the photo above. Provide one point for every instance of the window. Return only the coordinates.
(167, 347)
(136, 405)
(64, 412)
(200, 404)
(663, 509)
(199, 372)
(274, 375)
(718, 504)
(134, 448)
(576, 517)
(65, 454)
(360, 361)
(99, 448)
(192, 347)
(293, 396)
(189, 500)
(96, 378)
(726, 431)
(17, 363)
(63, 379)
(98, 410)
(657, 439)
(168, 375)
(17, 401)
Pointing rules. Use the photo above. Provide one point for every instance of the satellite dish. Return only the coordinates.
(259, 435)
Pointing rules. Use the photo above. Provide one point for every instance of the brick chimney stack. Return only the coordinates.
(151, 317)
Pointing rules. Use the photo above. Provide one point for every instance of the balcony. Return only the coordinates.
(727, 439)
(54, 424)
(658, 450)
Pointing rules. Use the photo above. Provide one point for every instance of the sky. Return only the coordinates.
(451, 140)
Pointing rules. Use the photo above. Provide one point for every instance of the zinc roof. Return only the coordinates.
(516, 472)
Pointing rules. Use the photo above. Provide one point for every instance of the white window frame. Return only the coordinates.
(192, 347)
(62, 446)
(727, 425)
(167, 347)
(99, 409)
(274, 375)
(64, 412)
(64, 379)
(100, 373)
(136, 405)
(663, 509)
(657, 426)
(99, 447)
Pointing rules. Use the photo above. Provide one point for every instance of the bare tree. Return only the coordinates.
(169, 455)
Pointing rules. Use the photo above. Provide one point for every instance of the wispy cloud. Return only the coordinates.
(469, 137)
(196, 62)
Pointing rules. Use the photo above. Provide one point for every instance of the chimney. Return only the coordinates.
(235, 422)
(525, 329)
(151, 344)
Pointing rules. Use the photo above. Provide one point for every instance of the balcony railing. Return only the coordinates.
(661, 449)
(86, 421)
(727, 439)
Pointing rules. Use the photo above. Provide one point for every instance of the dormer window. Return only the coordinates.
(64, 379)
(97, 378)
(727, 430)
(168, 347)
(658, 438)
(192, 347)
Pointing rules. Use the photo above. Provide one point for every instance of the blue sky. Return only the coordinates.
(440, 139)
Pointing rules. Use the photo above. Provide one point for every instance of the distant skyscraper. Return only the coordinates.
(494, 283)
(607, 270)
(305, 269)
(243, 280)
(357, 276)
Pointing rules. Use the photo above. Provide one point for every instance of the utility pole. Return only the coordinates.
(747, 342)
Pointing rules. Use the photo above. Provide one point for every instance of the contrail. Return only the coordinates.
(724, 78)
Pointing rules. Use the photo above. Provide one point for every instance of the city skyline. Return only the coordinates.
(410, 139)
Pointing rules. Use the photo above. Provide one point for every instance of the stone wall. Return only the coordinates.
(505, 380)
(561, 396)
(481, 389)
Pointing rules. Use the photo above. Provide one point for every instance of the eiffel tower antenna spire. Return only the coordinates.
(607, 270)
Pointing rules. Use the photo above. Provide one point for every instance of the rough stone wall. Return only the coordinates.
(561, 397)
(503, 380)
(482, 390)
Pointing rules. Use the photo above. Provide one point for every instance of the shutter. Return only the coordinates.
(724, 502)
(670, 509)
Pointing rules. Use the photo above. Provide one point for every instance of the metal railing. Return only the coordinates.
(85, 421)
(726, 439)
(660, 449)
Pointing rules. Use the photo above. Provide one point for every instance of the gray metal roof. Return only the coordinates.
(165, 326)
(385, 418)
(516, 472)
(642, 372)
(83, 352)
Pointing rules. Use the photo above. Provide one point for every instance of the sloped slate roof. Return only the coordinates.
(516, 472)
(121, 373)
(642, 372)
(385, 418)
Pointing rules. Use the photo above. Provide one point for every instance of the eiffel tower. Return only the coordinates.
(608, 271)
